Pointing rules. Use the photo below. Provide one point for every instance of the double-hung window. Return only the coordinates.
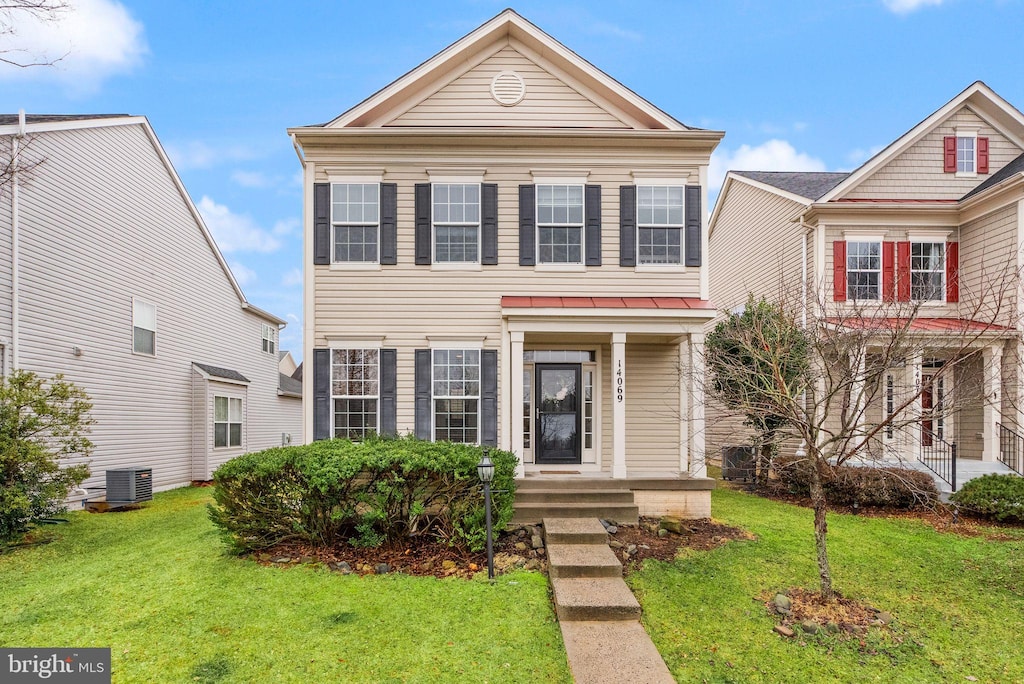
(863, 270)
(355, 391)
(355, 218)
(143, 327)
(559, 224)
(227, 422)
(659, 224)
(927, 270)
(456, 211)
(269, 339)
(456, 395)
(966, 153)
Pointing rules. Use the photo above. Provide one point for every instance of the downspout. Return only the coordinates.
(15, 241)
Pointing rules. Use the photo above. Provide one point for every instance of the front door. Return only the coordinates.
(933, 404)
(558, 413)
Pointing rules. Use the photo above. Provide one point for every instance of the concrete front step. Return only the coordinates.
(533, 513)
(574, 531)
(582, 560)
(594, 598)
(564, 496)
(613, 651)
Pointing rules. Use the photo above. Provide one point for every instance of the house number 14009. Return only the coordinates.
(620, 383)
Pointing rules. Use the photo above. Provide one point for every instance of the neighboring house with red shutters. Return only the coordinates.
(936, 219)
(504, 246)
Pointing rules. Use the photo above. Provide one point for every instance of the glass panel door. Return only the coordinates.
(558, 413)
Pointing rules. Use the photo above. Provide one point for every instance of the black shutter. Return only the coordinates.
(693, 224)
(321, 394)
(592, 212)
(489, 224)
(388, 392)
(489, 397)
(321, 223)
(527, 225)
(423, 394)
(388, 224)
(627, 225)
(423, 224)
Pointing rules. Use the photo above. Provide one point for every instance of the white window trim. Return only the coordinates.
(352, 345)
(967, 133)
(156, 326)
(451, 342)
(478, 397)
(241, 438)
(889, 394)
(265, 329)
(353, 265)
(659, 268)
(477, 265)
(569, 266)
(945, 254)
(880, 242)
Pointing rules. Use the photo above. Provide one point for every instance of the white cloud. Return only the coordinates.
(292, 317)
(91, 41)
(292, 278)
(250, 179)
(288, 226)
(196, 154)
(908, 6)
(773, 155)
(243, 274)
(235, 232)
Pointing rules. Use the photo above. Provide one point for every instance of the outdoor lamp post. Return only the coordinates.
(485, 471)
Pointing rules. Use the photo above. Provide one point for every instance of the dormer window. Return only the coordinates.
(966, 149)
(965, 154)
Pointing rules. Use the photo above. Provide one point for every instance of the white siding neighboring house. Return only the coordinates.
(934, 220)
(110, 277)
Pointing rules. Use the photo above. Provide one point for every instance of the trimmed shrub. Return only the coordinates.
(363, 493)
(994, 496)
(861, 485)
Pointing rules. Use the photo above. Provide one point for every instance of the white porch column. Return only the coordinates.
(913, 451)
(991, 408)
(857, 398)
(698, 458)
(619, 405)
(684, 405)
(516, 402)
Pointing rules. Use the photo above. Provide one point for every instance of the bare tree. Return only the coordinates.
(862, 386)
(13, 11)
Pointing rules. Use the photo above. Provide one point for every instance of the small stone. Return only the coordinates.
(521, 546)
(831, 627)
(785, 631)
(604, 523)
(448, 565)
(536, 541)
(877, 623)
(810, 626)
(532, 564)
(612, 529)
(263, 556)
(427, 565)
(672, 524)
(650, 526)
(307, 559)
(520, 562)
(884, 616)
(366, 568)
(521, 532)
(782, 602)
(615, 544)
(631, 549)
(533, 553)
(282, 559)
(662, 533)
(382, 568)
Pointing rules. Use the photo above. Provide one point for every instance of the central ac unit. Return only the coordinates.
(129, 485)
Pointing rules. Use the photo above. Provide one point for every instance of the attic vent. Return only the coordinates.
(508, 88)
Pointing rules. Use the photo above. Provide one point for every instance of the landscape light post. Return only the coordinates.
(485, 471)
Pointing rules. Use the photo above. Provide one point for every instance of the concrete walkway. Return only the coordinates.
(598, 614)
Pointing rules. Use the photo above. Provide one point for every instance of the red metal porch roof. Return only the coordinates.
(956, 325)
(517, 302)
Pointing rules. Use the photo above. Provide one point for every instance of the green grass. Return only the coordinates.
(958, 601)
(157, 586)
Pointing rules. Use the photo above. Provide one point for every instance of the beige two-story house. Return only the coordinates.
(933, 224)
(506, 246)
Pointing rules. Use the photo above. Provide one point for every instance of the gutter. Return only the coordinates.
(16, 242)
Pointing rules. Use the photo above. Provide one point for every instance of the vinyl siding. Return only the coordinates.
(918, 173)
(548, 102)
(988, 266)
(652, 408)
(103, 222)
(971, 417)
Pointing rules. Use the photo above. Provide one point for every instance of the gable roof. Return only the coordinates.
(461, 55)
(42, 123)
(982, 100)
(1012, 169)
(809, 184)
(221, 373)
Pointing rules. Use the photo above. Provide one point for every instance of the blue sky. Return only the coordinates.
(796, 86)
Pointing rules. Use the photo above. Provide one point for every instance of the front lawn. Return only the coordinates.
(157, 586)
(958, 601)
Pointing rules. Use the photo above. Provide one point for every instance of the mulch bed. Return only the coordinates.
(700, 535)
(810, 613)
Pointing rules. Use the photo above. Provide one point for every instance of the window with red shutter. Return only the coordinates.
(952, 271)
(839, 270)
(949, 154)
(982, 155)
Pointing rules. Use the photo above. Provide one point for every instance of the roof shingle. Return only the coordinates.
(809, 184)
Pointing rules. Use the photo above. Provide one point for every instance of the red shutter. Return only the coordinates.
(952, 271)
(888, 271)
(982, 155)
(839, 271)
(903, 271)
(949, 156)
